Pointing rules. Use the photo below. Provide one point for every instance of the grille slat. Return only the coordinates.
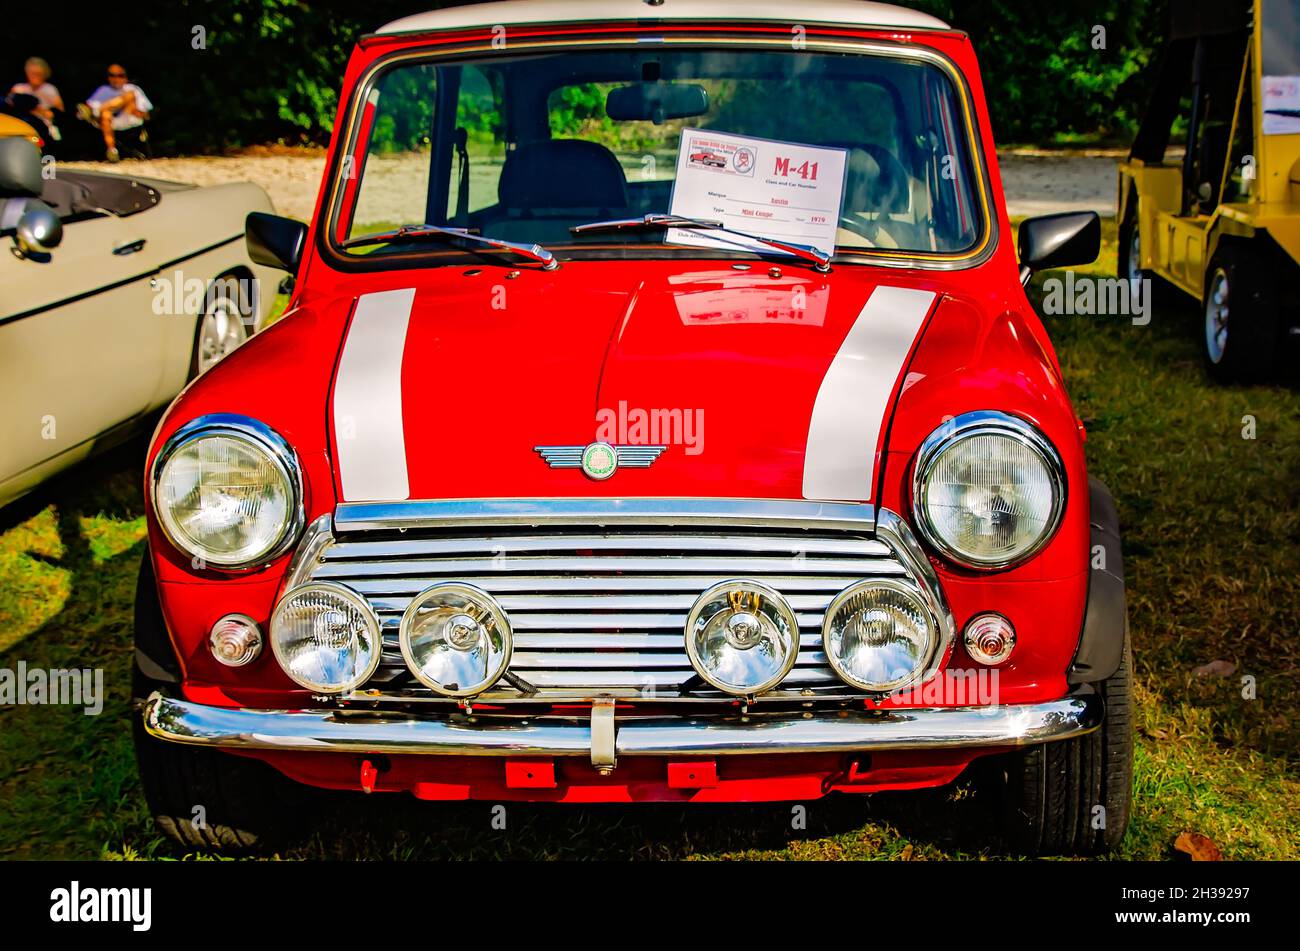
(539, 621)
(525, 604)
(589, 659)
(620, 641)
(738, 566)
(608, 584)
(598, 679)
(600, 610)
(507, 544)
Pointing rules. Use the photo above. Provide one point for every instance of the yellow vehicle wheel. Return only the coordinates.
(1240, 339)
(1160, 291)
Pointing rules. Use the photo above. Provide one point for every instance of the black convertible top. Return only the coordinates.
(74, 193)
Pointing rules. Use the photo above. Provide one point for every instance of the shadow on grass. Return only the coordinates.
(67, 779)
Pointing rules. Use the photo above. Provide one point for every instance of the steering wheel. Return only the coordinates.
(882, 193)
(857, 226)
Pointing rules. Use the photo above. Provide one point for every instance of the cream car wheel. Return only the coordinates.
(221, 331)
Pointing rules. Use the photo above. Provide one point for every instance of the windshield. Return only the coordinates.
(1280, 34)
(847, 152)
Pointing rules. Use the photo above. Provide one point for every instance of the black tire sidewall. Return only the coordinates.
(1253, 317)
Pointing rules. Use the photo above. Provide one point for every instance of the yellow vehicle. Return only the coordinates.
(11, 126)
(1222, 221)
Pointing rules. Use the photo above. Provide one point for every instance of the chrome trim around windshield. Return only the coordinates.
(252, 430)
(977, 254)
(333, 731)
(973, 424)
(469, 513)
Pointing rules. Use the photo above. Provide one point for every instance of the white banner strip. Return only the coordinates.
(368, 432)
(844, 432)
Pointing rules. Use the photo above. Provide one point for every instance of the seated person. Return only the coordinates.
(115, 107)
(37, 99)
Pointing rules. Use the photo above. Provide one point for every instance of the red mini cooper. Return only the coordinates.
(576, 473)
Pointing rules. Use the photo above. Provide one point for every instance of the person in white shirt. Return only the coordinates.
(46, 94)
(116, 106)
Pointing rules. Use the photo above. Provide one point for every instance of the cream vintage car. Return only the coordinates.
(115, 292)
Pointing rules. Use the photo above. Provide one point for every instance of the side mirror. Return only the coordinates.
(38, 232)
(1064, 240)
(274, 241)
(20, 168)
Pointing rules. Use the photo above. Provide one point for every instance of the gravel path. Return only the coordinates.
(1035, 184)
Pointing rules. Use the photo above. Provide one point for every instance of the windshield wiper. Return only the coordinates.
(534, 252)
(821, 261)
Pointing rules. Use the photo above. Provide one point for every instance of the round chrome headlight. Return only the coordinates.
(988, 490)
(742, 637)
(227, 492)
(456, 639)
(879, 635)
(326, 637)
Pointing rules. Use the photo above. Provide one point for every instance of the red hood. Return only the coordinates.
(493, 366)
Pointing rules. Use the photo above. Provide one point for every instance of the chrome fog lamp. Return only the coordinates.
(227, 492)
(456, 639)
(879, 635)
(988, 490)
(326, 637)
(742, 637)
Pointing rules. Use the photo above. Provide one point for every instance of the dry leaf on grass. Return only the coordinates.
(1216, 668)
(1200, 847)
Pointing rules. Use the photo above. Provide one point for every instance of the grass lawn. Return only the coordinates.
(1212, 539)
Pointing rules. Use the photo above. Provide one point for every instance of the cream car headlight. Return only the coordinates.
(326, 637)
(742, 637)
(988, 491)
(227, 492)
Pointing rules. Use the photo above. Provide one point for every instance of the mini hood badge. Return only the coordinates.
(599, 460)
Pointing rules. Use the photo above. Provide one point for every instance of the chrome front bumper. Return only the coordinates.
(604, 737)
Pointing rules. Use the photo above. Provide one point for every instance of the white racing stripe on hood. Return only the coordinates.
(840, 461)
(368, 433)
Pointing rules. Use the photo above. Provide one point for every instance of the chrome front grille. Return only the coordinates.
(599, 609)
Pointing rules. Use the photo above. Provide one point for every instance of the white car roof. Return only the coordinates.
(503, 12)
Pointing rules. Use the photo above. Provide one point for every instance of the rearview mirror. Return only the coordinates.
(1063, 240)
(656, 102)
(274, 241)
(38, 231)
(20, 169)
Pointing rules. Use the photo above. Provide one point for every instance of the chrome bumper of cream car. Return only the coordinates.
(604, 737)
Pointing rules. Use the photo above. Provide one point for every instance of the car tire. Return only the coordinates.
(203, 798)
(1051, 793)
(1241, 334)
(222, 327)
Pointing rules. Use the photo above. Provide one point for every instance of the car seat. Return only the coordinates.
(548, 185)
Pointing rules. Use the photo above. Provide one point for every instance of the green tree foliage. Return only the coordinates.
(1050, 73)
(271, 70)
